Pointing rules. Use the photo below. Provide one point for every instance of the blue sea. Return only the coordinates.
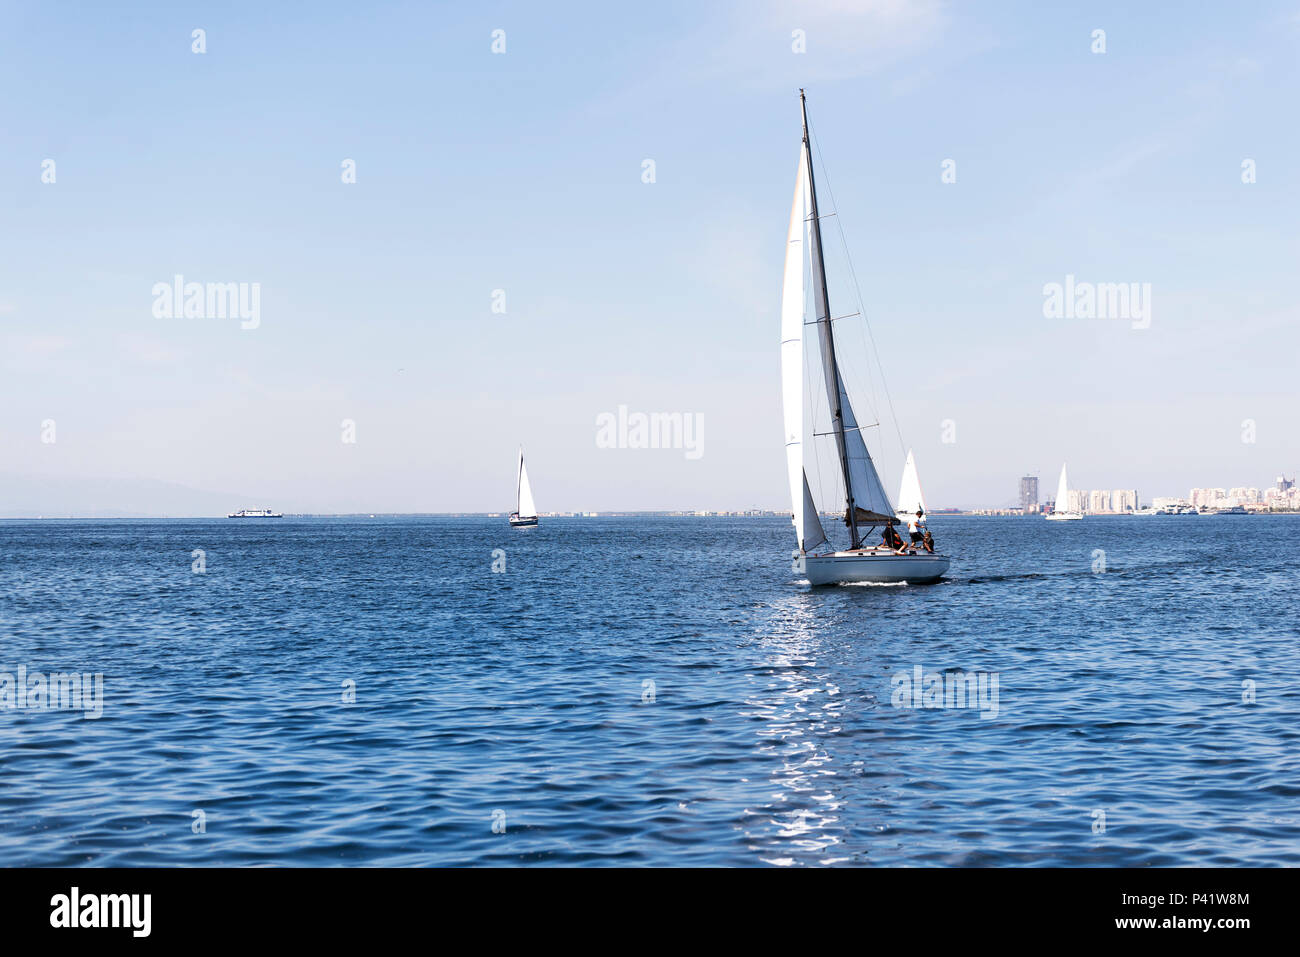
(650, 691)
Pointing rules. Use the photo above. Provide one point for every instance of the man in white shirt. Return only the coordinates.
(916, 527)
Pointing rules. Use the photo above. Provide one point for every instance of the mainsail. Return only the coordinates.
(527, 508)
(909, 494)
(866, 501)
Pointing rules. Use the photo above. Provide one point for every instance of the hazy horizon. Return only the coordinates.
(517, 180)
(137, 499)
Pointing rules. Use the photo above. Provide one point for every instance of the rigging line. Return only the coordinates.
(812, 131)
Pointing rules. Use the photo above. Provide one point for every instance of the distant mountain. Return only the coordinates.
(32, 496)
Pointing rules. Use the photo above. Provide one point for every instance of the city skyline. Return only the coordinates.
(145, 499)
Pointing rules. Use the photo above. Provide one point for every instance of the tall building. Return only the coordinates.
(1124, 500)
(1207, 497)
(1099, 501)
(1029, 493)
(1076, 500)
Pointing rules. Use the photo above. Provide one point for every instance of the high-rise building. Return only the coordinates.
(1099, 501)
(1207, 497)
(1029, 493)
(1124, 500)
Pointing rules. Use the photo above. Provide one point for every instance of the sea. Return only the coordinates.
(646, 691)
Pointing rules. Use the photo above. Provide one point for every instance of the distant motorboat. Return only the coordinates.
(1060, 511)
(525, 513)
(255, 513)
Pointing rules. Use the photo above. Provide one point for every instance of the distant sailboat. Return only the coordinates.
(910, 499)
(525, 513)
(866, 502)
(1061, 507)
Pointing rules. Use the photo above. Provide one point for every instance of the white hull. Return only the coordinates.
(1064, 517)
(524, 521)
(879, 567)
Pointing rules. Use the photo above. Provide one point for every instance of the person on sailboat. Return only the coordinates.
(916, 527)
(892, 540)
(928, 542)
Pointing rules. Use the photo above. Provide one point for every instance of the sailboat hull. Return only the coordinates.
(884, 568)
(1064, 517)
(526, 522)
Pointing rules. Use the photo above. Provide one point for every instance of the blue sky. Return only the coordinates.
(523, 172)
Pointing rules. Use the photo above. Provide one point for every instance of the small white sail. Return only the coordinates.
(1062, 493)
(807, 526)
(909, 494)
(527, 508)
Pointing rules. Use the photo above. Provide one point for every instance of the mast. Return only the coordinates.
(828, 335)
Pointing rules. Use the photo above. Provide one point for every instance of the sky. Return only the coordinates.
(518, 180)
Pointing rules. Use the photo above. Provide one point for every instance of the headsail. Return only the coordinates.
(909, 494)
(526, 507)
(807, 526)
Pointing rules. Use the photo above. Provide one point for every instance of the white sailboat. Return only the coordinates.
(525, 513)
(910, 498)
(1061, 507)
(866, 503)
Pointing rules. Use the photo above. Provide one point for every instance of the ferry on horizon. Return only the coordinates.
(255, 513)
